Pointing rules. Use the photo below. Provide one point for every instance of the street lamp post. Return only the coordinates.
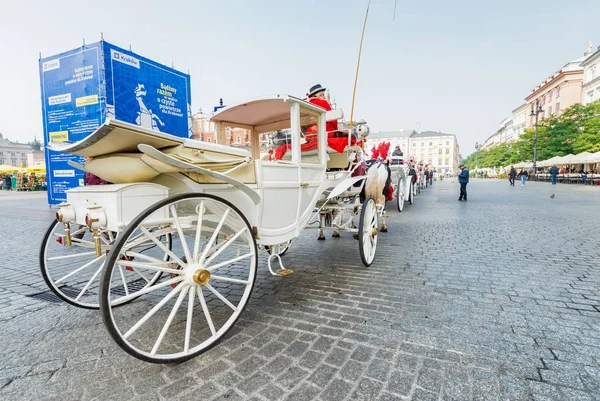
(536, 113)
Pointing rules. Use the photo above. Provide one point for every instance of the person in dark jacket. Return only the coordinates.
(463, 180)
(523, 175)
(553, 173)
(511, 176)
(7, 182)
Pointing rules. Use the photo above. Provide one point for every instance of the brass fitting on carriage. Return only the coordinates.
(65, 215)
(96, 219)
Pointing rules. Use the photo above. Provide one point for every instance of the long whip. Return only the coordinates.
(358, 64)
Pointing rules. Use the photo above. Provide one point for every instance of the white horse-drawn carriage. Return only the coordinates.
(180, 228)
(403, 177)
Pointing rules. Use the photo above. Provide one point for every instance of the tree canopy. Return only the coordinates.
(576, 130)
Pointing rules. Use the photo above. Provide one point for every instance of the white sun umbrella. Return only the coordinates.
(592, 158)
(580, 158)
(565, 159)
(548, 162)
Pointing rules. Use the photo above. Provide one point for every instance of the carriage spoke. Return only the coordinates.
(231, 280)
(198, 231)
(224, 246)
(151, 288)
(125, 287)
(162, 246)
(214, 236)
(184, 245)
(88, 264)
(77, 255)
(141, 275)
(89, 283)
(228, 262)
(188, 323)
(152, 311)
(221, 297)
(142, 256)
(206, 312)
(149, 266)
(167, 324)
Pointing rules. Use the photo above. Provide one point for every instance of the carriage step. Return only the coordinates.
(281, 271)
(284, 272)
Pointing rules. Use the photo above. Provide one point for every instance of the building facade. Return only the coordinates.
(437, 149)
(591, 78)
(521, 120)
(559, 91)
(504, 134)
(14, 153)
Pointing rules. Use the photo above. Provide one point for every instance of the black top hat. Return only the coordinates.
(316, 89)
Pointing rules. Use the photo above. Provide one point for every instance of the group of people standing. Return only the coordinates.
(523, 174)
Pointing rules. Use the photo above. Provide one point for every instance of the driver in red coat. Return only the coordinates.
(316, 96)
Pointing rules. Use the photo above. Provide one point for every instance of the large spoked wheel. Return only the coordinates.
(73, 272)
(368, 230)
(419, 187)
(411, 192)
(204, 286)
(400, 194)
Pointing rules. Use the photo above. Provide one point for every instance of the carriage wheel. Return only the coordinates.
(367, 231)
(419, 187)
(411, 192)
(204, 287)
(73, 272)
(400, 195)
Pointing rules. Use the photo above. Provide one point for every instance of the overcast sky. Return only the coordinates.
(455, 66)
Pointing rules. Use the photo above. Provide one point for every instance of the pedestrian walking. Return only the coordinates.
(553, 173)
(523, 174)
(511, 176)
(463, 180)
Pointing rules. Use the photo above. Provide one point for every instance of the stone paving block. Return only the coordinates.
(337, 390)
(254, 383)
(367, 389)
(311, 360)
(173, 390)
(291, 377)
(401, 382)
(305, 392)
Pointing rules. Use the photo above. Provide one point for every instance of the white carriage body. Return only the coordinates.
(120, 203)
(277, 197)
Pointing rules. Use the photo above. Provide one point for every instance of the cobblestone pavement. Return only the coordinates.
(494, 299)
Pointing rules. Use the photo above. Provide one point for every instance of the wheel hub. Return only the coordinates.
(201, 276)
(196, 275)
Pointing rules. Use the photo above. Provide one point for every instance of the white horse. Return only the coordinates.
(377, 186)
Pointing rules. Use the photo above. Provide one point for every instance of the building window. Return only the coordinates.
(430, 143)
(1, 153)
(558, 91)
(550, 110)
(422, 144)
(238, 139)
(429, 161)
(12, 153)
(445, 162)
(550, 96)
(414, 144)
(447, 151)
(447, 142)
(439, 151)
(1, 161)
